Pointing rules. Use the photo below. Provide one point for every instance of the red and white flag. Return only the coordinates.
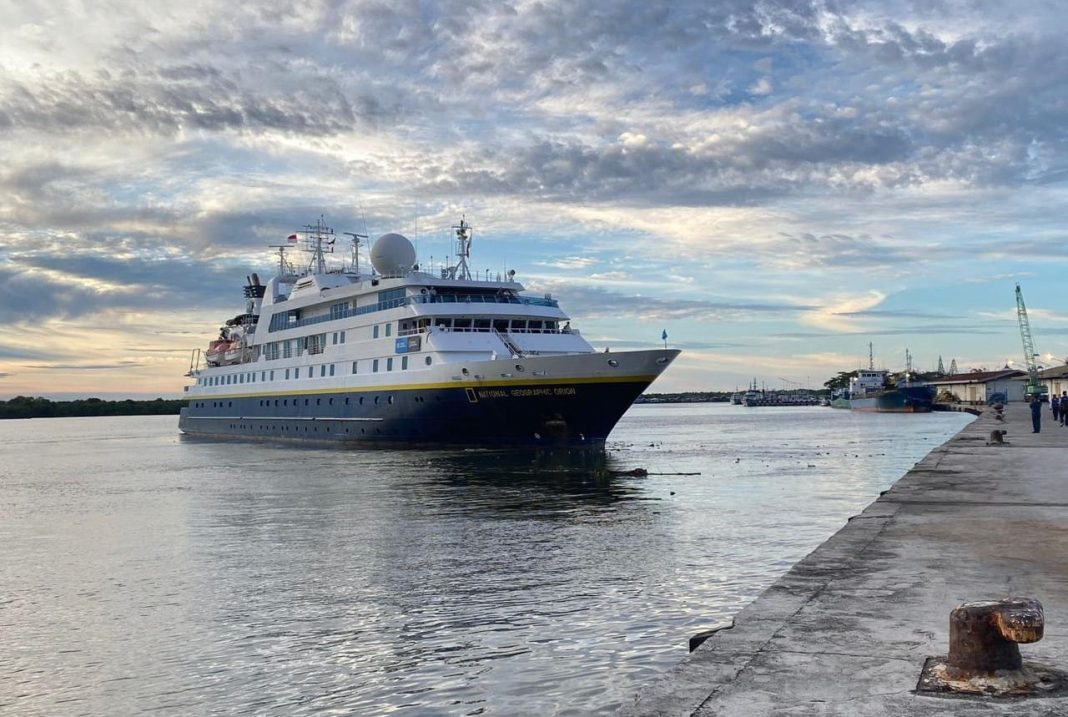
(292, 238)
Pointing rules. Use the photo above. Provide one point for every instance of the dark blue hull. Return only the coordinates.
(906, 399)
(572, 413)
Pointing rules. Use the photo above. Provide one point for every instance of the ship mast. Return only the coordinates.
(314, 238)
(355, 250)
(463, 250)
(284, 267)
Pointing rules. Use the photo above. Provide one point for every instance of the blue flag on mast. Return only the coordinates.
(663, 337)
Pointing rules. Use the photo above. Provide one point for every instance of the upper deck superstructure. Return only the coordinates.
(392, 333)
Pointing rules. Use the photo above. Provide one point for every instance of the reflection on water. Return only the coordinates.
(144, 572)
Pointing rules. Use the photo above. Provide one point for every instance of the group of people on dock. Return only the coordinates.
(1058, 406)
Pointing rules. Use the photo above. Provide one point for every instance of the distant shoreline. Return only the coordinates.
(685, 397)
(36, 407)
(701, 397)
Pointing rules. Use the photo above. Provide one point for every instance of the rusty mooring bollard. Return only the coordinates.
(984, 657)
(983, 636)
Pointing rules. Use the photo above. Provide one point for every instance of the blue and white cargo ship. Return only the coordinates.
(400, 356)
(869, 392)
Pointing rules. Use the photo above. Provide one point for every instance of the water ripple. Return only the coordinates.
(147, 573)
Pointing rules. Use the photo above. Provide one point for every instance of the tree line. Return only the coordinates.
(37, 407)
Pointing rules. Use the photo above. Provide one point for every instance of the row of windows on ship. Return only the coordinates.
(316, 343)
(325, 370)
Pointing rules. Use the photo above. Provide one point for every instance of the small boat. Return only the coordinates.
(840, 399)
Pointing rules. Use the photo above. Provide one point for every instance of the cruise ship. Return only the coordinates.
(397, 356)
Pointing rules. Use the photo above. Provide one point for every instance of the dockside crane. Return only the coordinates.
(1033, 387)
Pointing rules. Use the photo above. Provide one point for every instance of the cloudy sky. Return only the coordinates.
(774, 183)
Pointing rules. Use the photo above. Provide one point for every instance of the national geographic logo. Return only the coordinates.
(526, 392)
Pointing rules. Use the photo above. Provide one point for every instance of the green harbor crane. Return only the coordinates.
(1033, 386)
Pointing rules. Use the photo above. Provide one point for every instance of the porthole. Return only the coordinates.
(390, 400)
(613, 363)
(429, 360)
(376, 400)
(361, 400)
(318, 402)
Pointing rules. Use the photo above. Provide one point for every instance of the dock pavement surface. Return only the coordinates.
(847, 630)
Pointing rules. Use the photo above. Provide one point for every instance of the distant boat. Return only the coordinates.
(840, 399)
(760, 397)
(870, 393)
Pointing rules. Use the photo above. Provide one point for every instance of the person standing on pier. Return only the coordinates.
(1064, 408)
(1055, 407)
(1036, 414)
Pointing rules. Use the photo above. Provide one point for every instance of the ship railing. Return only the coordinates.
(507, 341)
(433, 298)
(283, 321)
(490, 329)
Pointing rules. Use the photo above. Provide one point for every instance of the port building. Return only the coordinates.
(1055, 378)
(979, 387)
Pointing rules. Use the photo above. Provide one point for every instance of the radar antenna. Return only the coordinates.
(285, 269)
(463, 250)
(355, 249)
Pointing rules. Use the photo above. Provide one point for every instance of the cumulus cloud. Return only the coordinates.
(836, 313)
(591, 302)
(185, 98)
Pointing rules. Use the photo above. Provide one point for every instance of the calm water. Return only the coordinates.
(143, 572)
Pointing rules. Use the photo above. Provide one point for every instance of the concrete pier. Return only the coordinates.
(847, 631)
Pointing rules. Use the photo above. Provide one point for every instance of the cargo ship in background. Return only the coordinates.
(400, 356)
(873, 391)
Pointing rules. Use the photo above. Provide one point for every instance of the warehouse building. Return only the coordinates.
(1056, 379)
(979, 387)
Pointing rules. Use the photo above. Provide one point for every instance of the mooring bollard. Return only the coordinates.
(984, 654)
(983, 636)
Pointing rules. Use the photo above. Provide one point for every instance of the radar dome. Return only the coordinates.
(392, 255)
